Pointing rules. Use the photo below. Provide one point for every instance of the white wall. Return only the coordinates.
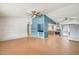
(13, 21)
(12, 28)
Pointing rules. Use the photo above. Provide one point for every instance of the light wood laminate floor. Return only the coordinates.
(55, 45)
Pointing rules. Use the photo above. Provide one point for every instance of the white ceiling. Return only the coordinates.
(54, 10)
(19, 9)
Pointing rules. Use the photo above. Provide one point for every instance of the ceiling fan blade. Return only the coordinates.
(38, 13)
(74, 18)
(44, 11)
(28, 14)
(33, 12)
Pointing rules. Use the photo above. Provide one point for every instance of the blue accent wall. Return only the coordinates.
(40, 26)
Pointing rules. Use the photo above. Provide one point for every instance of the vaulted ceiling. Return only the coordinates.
(52, 9)
(19, 9)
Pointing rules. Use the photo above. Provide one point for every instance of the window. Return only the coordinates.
(40, 27)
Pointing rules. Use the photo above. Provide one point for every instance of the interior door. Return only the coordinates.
(74, 31)
(65, 30)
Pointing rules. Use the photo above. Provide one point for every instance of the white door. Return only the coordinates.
(74, 31)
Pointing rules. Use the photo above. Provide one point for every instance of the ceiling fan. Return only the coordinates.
(62, 19)
(35, 13)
